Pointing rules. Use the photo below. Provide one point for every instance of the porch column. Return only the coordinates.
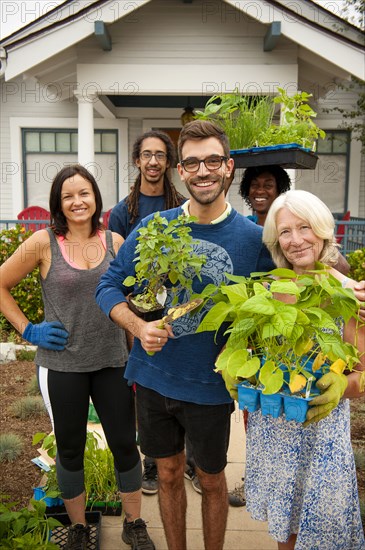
(86, 152)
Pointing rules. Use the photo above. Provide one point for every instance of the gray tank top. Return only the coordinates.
(94, 342)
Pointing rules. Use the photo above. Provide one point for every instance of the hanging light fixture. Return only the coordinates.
(188, 114)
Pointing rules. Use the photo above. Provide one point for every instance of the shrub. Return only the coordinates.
(33, 387)
(10, 447)
(28, 292)
(25, 355)
(28, 406)
(356, 260)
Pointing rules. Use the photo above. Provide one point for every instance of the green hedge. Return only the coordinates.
(28, 292)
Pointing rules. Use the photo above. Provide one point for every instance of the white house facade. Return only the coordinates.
(83, 81)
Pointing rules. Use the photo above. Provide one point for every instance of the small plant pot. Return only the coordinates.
(289, 155)
(271, 404)
(146, 315)
(248, 397)
(40, 494)
(295, 407)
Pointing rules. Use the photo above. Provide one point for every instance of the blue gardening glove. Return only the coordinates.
(332, 386)
(46, 335)
(230, 384)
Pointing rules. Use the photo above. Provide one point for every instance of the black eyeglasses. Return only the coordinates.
(213, 162)
(160, 156)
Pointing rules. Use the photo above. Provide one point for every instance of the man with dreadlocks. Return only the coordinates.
(154, 155)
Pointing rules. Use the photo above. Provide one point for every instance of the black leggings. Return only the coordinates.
(66, 396)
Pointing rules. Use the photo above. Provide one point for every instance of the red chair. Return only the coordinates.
(106, 217)
(341, 227)
(34, 213)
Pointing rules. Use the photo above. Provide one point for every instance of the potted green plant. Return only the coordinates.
(274, 346)
(254, 137)
(164, 256)
(100, 485)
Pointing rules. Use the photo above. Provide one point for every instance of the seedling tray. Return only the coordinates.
(59, 534)
(290, 155)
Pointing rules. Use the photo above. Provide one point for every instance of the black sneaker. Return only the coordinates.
(149, 478)
(191, 475)
(236, 497)
(77, 537)
(135, 534)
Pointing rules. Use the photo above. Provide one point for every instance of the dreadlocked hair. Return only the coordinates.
(172, 197)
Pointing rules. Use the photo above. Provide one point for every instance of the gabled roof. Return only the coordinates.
(303, 22)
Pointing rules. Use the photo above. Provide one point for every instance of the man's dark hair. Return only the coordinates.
(281, 177)
(172, 197)
(58, 220)
(202, 129)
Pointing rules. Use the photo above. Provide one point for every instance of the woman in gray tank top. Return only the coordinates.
(81, 353)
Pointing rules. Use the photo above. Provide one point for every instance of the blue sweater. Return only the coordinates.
(119, 220)
(183, 370)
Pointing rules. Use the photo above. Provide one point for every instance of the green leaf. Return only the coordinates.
(250, 368)
(258, 304)
(236, 293)
(129, 281)
(235, 362)
(221, 362)
(271, 377)
(285, 287)
(215, 317)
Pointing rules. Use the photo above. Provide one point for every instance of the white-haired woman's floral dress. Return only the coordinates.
(303, 480)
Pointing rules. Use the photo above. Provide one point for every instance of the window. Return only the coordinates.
(46, 151)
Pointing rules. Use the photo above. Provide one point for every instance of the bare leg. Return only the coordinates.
(214, 508)
(289, 544)
(132, 505)
(75, 508)
(172, 499)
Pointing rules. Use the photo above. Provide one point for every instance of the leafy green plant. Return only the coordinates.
(28, 292)
(10, 447)
(356, 260)
(248, 121)
(27, 528)
(243, 118)
(100, 483)
(273, 343)
(165, 254)
(28, 406)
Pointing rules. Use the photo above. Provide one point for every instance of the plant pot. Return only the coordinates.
(289, 155)
(113, 508)
(271, 404)
(248, 397)
(59, 534)
(40, 494)
(146, 315)
(295, 408)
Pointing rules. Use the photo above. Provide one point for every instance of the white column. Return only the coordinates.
(86, 152)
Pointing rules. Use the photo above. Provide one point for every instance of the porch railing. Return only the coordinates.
(352, 232)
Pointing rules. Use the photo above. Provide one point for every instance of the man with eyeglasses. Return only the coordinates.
(178, 392)
(154, 155)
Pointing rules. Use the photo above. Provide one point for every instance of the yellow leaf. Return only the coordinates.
(297, 383)
(318, 362)
(338, 366)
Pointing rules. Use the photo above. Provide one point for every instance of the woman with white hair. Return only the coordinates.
(301, 478)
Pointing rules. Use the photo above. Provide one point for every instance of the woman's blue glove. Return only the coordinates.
(46, 335)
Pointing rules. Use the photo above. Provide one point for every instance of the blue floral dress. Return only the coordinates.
(303, 480)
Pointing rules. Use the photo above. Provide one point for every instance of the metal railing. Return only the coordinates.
(351, 233)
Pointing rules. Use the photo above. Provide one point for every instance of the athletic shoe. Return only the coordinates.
(191, 475)
(149, 478)
(135, 534)
(236, 497)
(77, 537)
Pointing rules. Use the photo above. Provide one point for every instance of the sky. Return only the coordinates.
(14, 14)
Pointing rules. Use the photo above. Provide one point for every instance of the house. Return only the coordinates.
(84, 80)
